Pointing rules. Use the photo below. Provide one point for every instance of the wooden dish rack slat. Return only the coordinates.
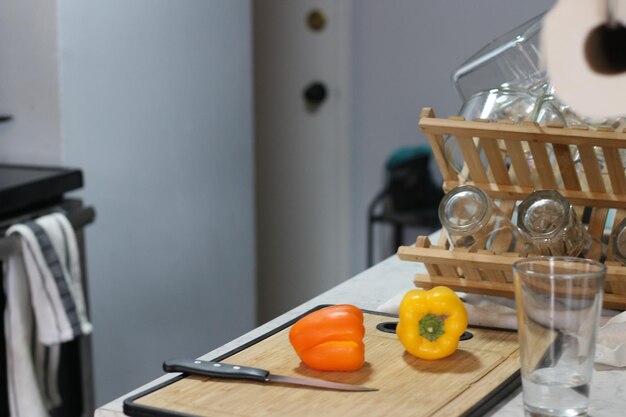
(509, 161)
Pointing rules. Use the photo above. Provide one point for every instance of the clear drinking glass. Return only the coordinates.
(551, 227)
(512, 59)
(471, 220)
(501, 103)
(559, 300)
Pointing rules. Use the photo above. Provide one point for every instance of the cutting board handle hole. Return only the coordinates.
(466, 336)
(387, 327)
(390, 327)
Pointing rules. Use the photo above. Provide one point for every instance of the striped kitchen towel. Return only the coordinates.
(45, 306)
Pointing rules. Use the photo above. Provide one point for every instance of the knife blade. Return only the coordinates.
(229, 371)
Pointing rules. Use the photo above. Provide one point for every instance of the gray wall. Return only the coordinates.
(404, 53)
(156, 104)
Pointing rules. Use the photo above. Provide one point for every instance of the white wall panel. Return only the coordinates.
(29, 82)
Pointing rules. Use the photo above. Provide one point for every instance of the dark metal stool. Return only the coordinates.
(410, 197)
(426, 218)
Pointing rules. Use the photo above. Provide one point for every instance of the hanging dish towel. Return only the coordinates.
(45, 306)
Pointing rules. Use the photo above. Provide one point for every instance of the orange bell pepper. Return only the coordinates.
(330, 339)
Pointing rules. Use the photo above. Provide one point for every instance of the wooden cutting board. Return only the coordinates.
(477, 376)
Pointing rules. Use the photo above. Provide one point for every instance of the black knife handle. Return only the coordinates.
(215, 369)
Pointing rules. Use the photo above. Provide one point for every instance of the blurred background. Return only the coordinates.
(231, 148)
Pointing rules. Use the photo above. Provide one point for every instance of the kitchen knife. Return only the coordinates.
(228, 371)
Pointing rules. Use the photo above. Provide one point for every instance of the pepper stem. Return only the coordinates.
(431, 326)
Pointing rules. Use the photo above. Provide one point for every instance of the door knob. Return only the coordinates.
(315, 93)
(316, 20)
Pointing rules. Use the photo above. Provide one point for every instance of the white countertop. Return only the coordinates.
(372, 288)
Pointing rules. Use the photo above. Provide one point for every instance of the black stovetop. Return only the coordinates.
(24, 187)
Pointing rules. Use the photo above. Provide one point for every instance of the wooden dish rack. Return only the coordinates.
(495, 158)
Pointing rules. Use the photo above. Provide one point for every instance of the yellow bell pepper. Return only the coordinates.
(431, 322)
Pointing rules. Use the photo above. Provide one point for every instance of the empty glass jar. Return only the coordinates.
(618, 242)
(552, 228)
(471, 220)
